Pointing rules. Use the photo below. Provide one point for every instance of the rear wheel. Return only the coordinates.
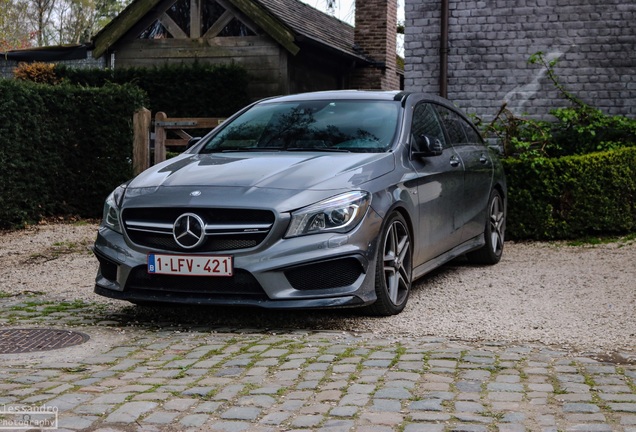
(491, 252)
(393, 268)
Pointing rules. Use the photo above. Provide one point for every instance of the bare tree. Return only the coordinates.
(40, 13)
(54, 22)
(77, 20)
(15, 31)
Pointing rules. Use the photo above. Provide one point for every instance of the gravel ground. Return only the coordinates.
(581, 298)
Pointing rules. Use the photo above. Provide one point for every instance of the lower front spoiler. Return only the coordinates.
(149, 297)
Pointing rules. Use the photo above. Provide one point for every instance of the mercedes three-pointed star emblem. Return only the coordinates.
(189, 231)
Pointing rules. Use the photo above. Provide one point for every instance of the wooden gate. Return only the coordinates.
(163, 124)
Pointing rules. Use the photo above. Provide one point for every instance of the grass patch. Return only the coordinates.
(63, 307)
(601, 240)
(61, 248)
(46, 308)
(400, 351)
(495, 415)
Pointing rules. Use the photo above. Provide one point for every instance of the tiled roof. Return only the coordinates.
(313, 24)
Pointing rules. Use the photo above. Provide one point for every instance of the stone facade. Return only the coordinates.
(7, 66)
(491, 41)
(376, 21)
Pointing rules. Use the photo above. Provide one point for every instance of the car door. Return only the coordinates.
(478, 169)
(440, 188)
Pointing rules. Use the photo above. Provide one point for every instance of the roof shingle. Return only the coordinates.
(313, 24)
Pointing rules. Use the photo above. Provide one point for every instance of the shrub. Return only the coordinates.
(196, 90)
(572, 197)
(62, 148)
(572, 177)
(37, 72)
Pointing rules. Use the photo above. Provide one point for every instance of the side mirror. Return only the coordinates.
(427, 146)
(192, 142)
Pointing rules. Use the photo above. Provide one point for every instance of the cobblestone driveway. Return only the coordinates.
(166, 377)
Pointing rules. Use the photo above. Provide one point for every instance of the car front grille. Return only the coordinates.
(239, 286)
(323, 275)
(226, 229)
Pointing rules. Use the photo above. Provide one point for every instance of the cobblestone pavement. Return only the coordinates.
(166, 376)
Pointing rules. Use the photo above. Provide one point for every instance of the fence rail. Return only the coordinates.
(163, 124)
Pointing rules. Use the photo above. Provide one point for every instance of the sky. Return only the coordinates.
(345, 10)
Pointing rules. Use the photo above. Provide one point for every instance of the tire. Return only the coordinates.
(494, 232)
(394, 265)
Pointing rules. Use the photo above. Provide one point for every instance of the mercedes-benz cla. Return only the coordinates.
(330, 199)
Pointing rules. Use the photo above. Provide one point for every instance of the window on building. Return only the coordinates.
(216, 21)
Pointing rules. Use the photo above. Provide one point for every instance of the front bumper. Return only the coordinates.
(317, 271)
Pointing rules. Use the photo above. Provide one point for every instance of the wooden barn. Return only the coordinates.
(287, 46)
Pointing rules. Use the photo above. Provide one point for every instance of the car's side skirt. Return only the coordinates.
(470, 245)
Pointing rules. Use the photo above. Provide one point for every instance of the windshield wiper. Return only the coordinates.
(318, 149)
(249, 149)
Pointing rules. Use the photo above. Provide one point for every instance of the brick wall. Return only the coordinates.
(376, 21)
(491, 41)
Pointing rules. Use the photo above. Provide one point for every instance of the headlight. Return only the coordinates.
(337, 214)
(110, 217)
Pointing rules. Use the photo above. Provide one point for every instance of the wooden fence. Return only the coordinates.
(163, 124)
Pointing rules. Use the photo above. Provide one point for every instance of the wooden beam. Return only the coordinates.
(172, 27)
(240, 16)
(121, 24)
(195, 18)
(149, 19)
(219, 25)
(273, 27)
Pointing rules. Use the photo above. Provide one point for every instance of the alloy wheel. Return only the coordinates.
(497, 224)
(397, 262)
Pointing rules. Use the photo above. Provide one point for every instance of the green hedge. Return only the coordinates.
(62, 148)
(196, 90)
(572, 197)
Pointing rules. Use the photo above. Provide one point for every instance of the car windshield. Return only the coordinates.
(323, 125)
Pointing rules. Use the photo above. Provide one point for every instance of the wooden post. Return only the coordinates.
(195, 18)
(160, 137)
(141, 143)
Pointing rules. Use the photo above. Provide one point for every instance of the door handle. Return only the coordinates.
(454, 161)
(483, 159)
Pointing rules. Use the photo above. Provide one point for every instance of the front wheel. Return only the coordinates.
(393, 268)
(494, 230)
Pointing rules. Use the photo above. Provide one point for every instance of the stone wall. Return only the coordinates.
(7, 66)
(491, 41)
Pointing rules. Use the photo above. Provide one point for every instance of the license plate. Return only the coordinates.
(190, 265)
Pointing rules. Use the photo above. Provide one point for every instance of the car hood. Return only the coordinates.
(282, 181)
(280, 170)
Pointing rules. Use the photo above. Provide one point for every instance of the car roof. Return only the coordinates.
(341, 94)
(394, 95)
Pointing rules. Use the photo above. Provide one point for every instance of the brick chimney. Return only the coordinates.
(375, 36)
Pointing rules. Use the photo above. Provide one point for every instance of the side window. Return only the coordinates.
(426, 122)
(472, 135)
(454, 126)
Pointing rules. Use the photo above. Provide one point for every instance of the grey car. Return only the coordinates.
(317, 200)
